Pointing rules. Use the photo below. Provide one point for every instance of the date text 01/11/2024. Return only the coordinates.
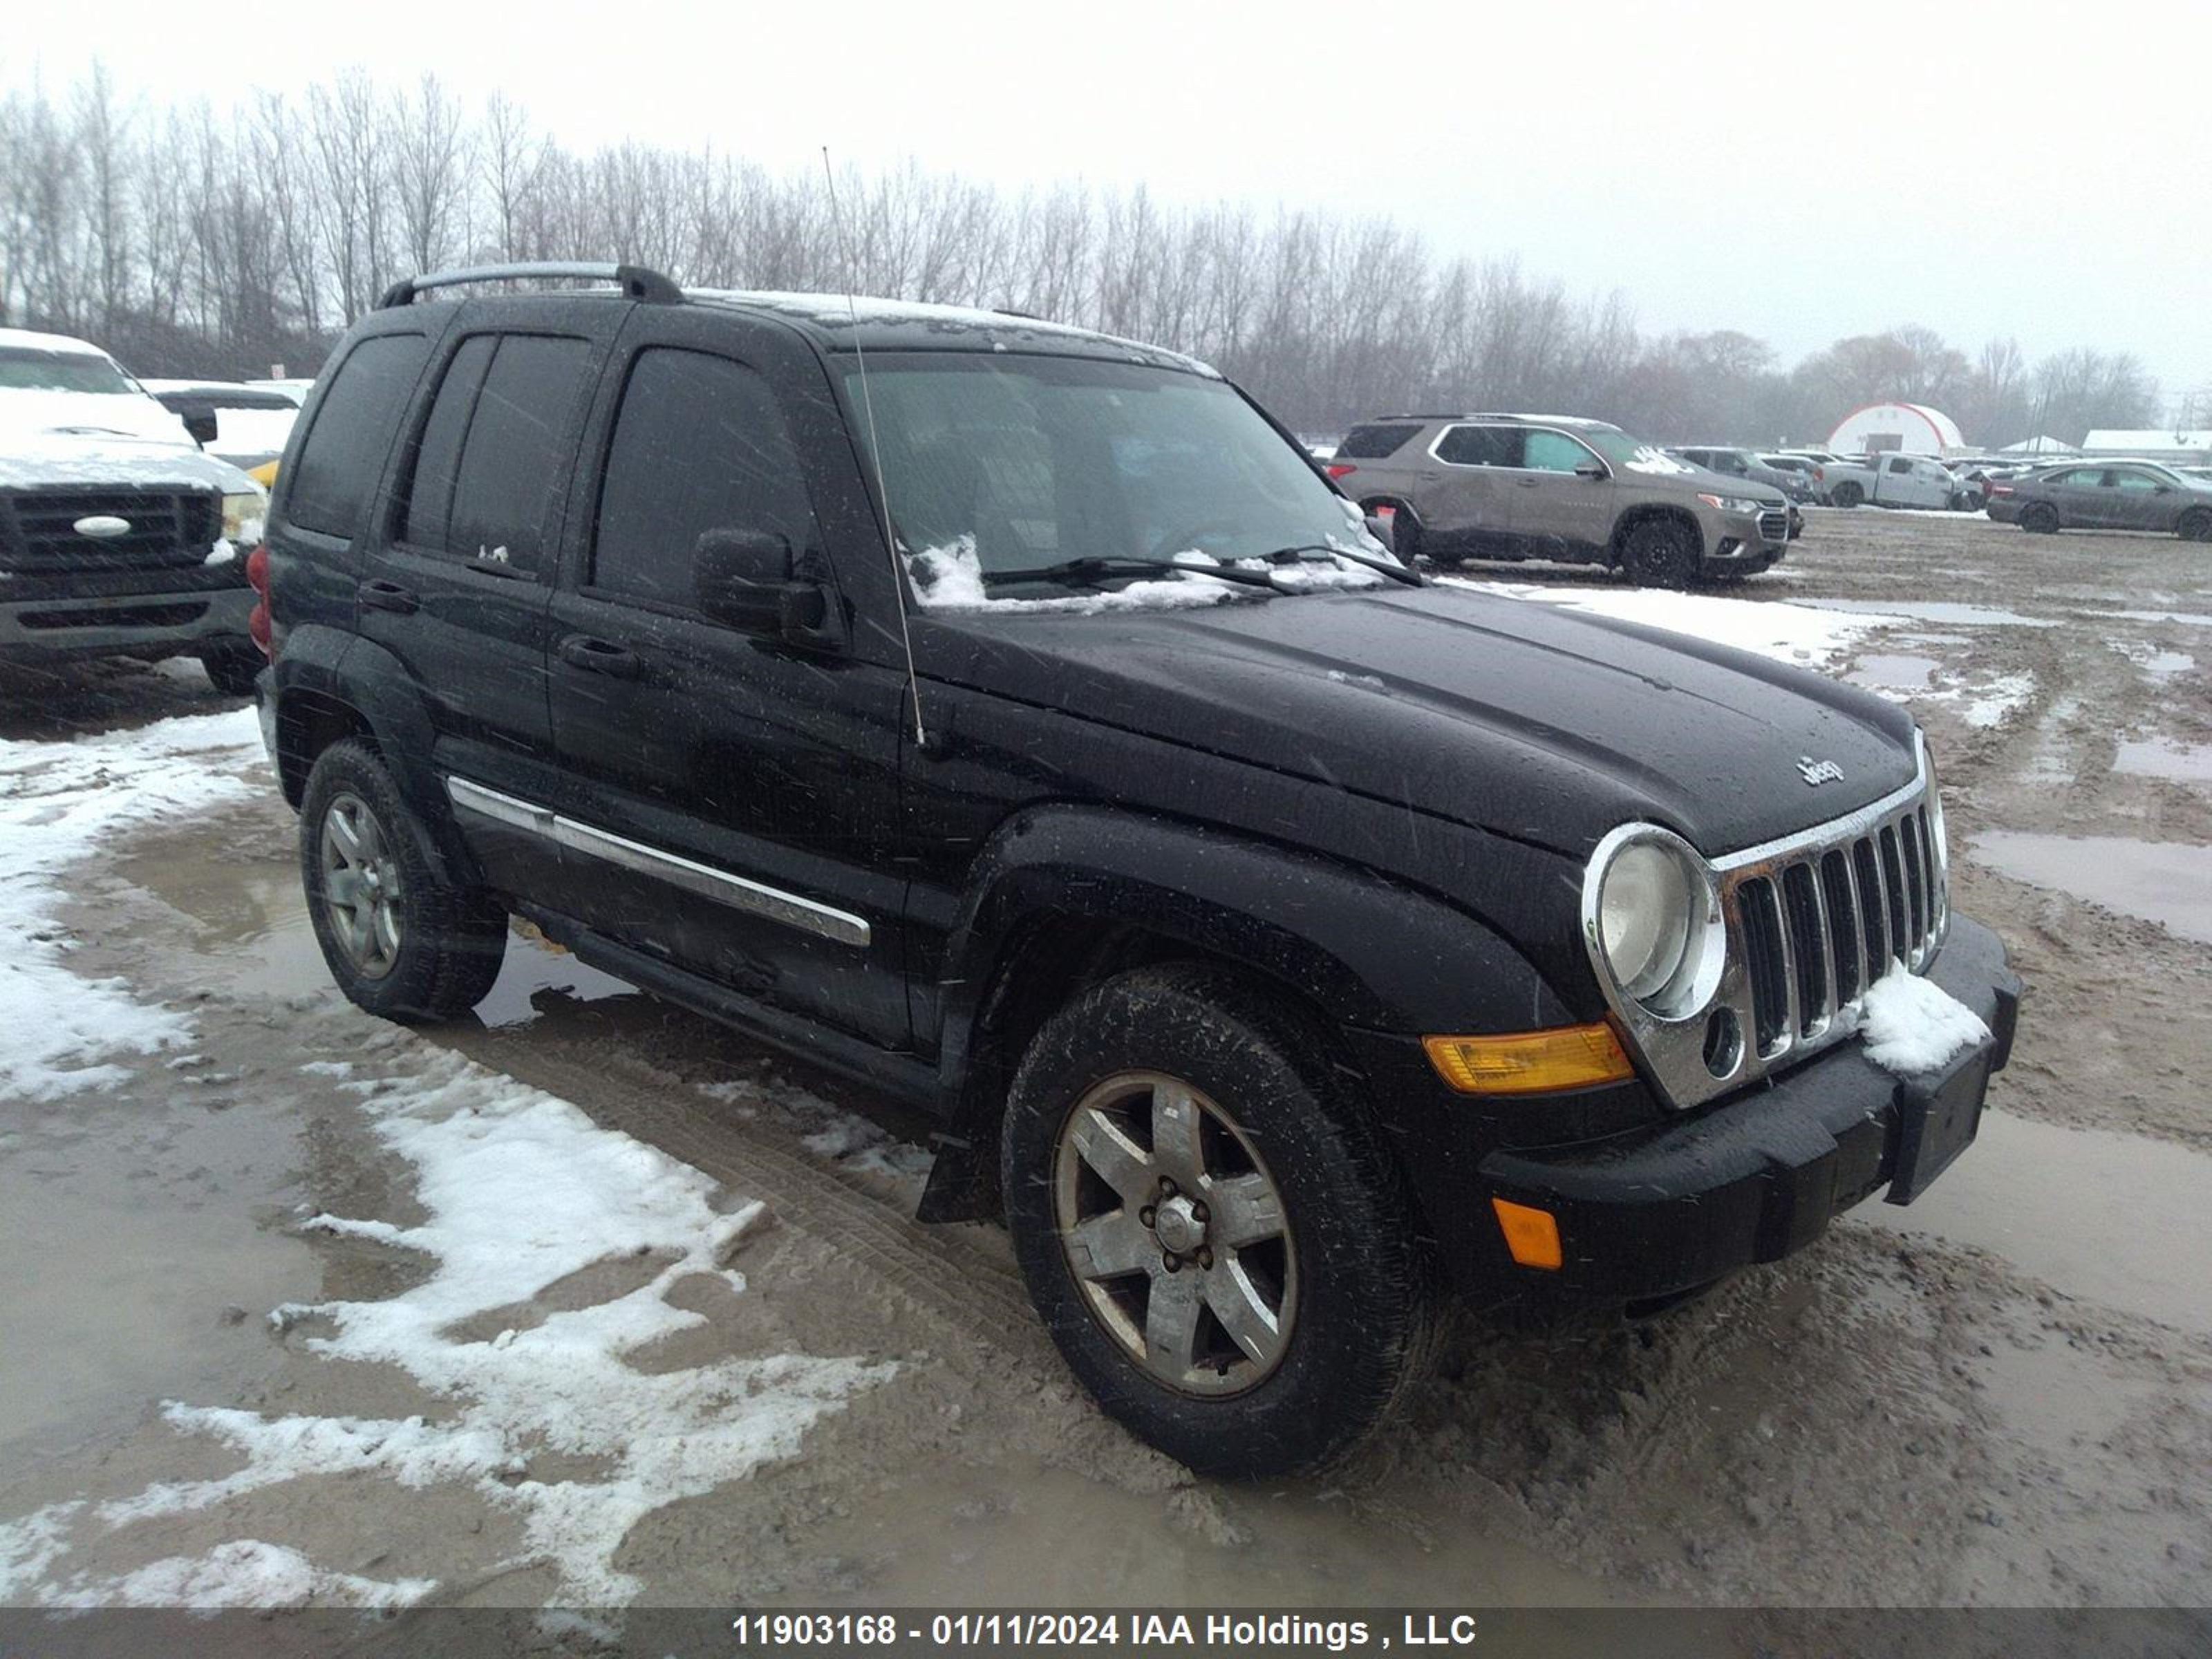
(1100, 1630)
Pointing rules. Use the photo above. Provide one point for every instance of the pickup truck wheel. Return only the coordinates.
(400, 941)
(2039, 518)
(1846, 495)
(1660, 553)
(1219, 1246)
(2196, 525)
(232, 665)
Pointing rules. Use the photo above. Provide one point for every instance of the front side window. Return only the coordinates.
(514, 460)
(1553, 451)
(31, 368)
(699, 445)
(1018, 462)
(328, 486)
(1899, 464)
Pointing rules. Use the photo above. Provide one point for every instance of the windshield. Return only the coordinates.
(1026, 462)
(31, 368)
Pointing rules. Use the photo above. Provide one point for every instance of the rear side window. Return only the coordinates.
(699, 445)
(438, 458)
(515, 459)
(1899, 464)
(1373, 443)
(1481, 445)
(343, 456)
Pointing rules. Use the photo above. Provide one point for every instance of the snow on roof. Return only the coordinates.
(1941, 426)
(2146, 441)
(2039, 446)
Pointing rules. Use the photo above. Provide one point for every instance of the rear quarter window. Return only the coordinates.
(1374, 443)
(343, 459)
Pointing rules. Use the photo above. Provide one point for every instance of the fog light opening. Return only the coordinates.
(1723, 1042)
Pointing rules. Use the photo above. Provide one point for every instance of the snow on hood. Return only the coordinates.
(39, 458)
(128, 415)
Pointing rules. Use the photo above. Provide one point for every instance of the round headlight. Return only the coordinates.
(1646, 906)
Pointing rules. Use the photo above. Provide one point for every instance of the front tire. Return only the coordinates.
(400, 940)
(232, 665)
(1661, 553)
(1220, 1245)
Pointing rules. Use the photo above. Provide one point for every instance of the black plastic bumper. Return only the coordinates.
(1656, 1212)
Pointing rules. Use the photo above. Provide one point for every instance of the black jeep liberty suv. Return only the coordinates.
(1276, 938)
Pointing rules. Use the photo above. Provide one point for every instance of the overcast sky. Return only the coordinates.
(1798, 171)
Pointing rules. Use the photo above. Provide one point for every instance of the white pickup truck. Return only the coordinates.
(1894, 480)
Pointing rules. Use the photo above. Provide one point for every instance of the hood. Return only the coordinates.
(109, 414)
(49, 458)
(1705, 482)
(1526, 720)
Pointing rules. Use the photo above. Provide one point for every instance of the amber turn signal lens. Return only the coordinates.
(1532, 1235)
(1529, 1062)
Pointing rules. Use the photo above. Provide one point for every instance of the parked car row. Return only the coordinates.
(2102, 494)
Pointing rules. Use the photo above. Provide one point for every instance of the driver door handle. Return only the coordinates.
(380, 595)
(598, 656)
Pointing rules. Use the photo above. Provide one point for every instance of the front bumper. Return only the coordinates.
(1746, 537)
(1665, 1209)
(150, 624)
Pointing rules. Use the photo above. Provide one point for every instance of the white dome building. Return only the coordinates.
(1913, 428)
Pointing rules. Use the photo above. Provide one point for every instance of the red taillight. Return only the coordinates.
(1999, 489)
(256, 578)
(1820, 475)
(1341, 469)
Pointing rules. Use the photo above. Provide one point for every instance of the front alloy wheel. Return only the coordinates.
(1174, 1230)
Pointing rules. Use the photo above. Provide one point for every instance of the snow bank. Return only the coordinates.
(58, 802)
(1911, 1024)
(1798, 634)
(248, 1573)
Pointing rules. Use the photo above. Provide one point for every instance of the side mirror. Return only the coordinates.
(1595, 471)
(202, 426)
(738, 576)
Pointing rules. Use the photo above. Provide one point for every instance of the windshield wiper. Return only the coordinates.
(1088, 571)
(1389, 567)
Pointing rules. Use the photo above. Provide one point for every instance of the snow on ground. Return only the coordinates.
(249, 1573)
(1911, 1025)
(58, 801)
(523, 1191)
(1800, 633)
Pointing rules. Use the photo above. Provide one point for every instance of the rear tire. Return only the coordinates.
(1199, 1092)
(2039, 518)
(233, 665)
(1405, 530)
(1846, 496)
(1660, 553)
(2196, 525)
(400, 940)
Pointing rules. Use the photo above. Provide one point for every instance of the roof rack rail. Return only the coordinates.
(638, 282)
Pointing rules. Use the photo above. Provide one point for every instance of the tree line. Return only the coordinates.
(191, 240)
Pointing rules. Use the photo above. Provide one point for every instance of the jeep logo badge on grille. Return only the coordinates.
(1817, 772)
(102, 526)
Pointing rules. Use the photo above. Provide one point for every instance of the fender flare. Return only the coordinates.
(1373, 952)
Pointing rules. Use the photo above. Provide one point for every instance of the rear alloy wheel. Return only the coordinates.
(400, 939)
(1846, 495)
(2039, 518)
(1660, 553)
(2196, 525)
(232, 665)
(1220, 1245)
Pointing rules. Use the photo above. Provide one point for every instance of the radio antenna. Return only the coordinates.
(876, 452)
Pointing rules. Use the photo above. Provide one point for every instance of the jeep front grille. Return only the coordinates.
(1822, 920)
(166, 527)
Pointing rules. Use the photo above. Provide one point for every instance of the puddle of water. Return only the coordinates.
(1943, 612)
(1893, 672)
(144, 1200)
(2185, 618)
(2155, 757)
(281, 959)
(2169, 883)
(2109, 1217)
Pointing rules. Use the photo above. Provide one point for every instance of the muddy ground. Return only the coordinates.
(2000, 1396)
